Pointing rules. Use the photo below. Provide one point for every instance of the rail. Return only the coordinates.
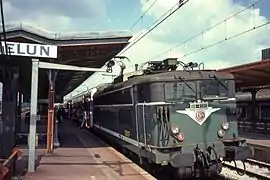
(7, 165)
(252, 168)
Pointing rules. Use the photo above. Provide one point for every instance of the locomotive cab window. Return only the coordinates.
(214, 88)
(180, 91)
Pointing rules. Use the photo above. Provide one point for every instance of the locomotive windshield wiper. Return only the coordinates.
(214, 76)
(185, 83)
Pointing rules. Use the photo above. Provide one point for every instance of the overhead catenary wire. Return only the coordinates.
(144, 13)
(212, 27)
(154, 25)
(159, 21)
(226, 39)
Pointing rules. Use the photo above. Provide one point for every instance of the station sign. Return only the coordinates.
(30, 50)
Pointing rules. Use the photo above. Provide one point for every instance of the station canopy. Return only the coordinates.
(79, 49)
(251, 75)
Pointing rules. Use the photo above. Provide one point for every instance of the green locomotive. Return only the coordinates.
(184, 120)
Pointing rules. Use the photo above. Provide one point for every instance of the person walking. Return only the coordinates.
(60, 114)
(84, 118)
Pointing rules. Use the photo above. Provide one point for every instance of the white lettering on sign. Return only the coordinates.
(30, 50)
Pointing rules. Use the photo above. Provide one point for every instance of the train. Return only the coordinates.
(254, 117)
(181, 120)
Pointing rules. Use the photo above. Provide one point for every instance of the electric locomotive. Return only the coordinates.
(185, 120)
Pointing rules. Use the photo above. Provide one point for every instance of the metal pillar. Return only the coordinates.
(33, 117)
(56, 138)
(69, 110)
(8, 136)
(254, 117)
(19, 113)
(51, 116)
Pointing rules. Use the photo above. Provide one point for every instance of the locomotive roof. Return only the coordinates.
(103, 86)
(165, 76)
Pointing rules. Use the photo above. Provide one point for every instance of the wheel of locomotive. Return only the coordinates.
(133, 156)
(147, 165)
(126, 152)
(184, 173)
(215, 170)
(164, 172)
(212, 172)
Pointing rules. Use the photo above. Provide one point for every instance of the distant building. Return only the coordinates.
(265, 54)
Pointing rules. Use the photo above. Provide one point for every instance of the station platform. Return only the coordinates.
(261, 145)
(258, 140)
(83, 156)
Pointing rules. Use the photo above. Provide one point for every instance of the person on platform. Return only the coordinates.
(74, 115)
(84, 118)
(79, 116)
(60, 114)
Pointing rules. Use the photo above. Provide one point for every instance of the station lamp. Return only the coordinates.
(109, 65)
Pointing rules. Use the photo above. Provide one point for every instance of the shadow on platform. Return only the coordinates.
(110, 164)
(22, 163)
(117, 166)
(82, 154)
(68, 135)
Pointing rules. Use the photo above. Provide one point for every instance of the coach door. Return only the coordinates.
(91, 108)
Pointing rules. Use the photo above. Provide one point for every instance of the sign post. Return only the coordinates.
(41, 51)
(33, 117)
(31, 50)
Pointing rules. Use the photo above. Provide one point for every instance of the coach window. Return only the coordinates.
(115, 97)
(102, 100)
(243, 111)
(110, 98)
(265, 112)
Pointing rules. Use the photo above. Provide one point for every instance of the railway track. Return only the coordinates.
(253, 169)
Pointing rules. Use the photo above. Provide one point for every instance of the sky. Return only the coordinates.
(191, 19)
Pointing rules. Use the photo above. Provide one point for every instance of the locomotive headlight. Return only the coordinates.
(175, 129)
(225, 125)
(181, 137)
(221, 133)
